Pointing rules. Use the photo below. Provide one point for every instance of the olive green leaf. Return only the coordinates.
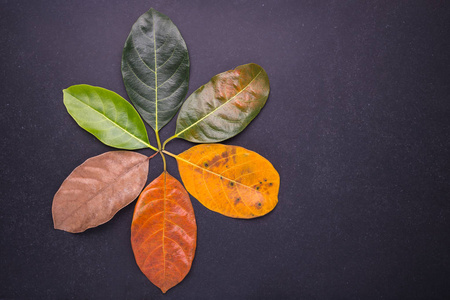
(224, 106)
(155, 68)
(107, 115)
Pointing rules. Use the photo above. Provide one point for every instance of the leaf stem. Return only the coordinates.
(151, 147)
(158, 140)
(159, 151)
(164, 161)
(153, 155)
(170, 154)
(168, 140)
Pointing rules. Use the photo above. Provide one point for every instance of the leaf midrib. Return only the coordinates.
(214, 173)
(164, 226)
(225, 103)
(156, 73)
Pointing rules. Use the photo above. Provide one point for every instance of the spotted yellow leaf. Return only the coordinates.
(230, 180)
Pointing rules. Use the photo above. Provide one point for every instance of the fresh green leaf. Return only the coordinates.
(155, 68)
(224, 106)
(106, 115)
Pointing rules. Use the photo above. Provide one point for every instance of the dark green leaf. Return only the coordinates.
(106, 115)
(224, 106)
(155, 68)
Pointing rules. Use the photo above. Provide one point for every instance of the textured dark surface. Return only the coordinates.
(357, 124)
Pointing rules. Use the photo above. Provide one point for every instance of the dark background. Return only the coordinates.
(357, 124)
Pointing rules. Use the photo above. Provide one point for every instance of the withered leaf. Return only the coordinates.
(97, 189)
(164, 232)
(230, 180)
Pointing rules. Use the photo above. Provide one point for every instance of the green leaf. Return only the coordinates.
(155, 68)
(106, 115)
(224, 106)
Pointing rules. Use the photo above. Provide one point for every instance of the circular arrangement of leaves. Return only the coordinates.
(230, 180)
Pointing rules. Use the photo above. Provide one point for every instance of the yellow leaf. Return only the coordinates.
(230, 180)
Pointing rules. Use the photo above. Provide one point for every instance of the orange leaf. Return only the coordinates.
(97, 189)
(230, 180)
(164, 232)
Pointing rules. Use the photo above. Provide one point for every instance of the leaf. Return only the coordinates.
(155, 68)
(97, 189)
(230, 180)
(107, 116)
(164, 232)
(224, 106)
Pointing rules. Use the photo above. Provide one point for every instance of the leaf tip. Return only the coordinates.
(165, 287)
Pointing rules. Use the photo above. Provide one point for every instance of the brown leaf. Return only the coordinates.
(164, 232)
(230, 180)
(97, 189)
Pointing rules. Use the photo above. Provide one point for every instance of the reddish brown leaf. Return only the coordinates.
(164, 232)
(97, 189)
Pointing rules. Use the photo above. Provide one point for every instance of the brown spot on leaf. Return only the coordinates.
(246, 171)
(236, 201)
(215, 159)
(233, 152)
(223, 158)
(231, 183)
